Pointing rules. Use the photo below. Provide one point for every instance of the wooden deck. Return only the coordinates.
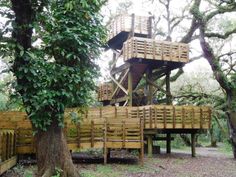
(150, 49)
(90, 133)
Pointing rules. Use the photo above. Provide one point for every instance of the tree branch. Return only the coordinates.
(221, 36)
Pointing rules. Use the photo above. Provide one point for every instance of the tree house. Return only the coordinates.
(144, 58)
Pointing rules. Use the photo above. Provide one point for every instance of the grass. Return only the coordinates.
(101, 171)
(225, 148)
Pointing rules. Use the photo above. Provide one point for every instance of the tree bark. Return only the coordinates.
(232, 119)
(53, 155)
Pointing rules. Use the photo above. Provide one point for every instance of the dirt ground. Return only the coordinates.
(210, 162)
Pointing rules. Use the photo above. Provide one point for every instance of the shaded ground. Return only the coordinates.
(208, 163)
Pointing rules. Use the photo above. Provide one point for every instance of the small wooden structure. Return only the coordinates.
(121, 26)
(105, 92)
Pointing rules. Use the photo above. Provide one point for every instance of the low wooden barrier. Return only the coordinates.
(106, 134)
(126, 134)
(151, 49)
(8, 157)
(154, 117)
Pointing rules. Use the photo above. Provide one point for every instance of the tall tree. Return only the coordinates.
(226, 78)
(54, 72)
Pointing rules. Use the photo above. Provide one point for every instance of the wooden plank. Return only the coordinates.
(121, 87)
(193, 144)
(6, 165)
(120, 82)
(130, 87)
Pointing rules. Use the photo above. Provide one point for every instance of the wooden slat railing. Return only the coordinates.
(7, 148)
(158, 117)
(123, 23)
(152, 49)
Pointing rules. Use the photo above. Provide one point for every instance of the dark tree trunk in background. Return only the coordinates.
(53, 154)
(213, 138)
(186, 139)
(231, 114)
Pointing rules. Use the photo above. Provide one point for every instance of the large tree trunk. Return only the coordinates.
(53, 154)
(232, 130)
(232, 119)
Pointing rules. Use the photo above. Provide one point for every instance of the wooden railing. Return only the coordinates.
(154, 117)
(7, 149)
(123, 23)
(152, 49)
(158, 116)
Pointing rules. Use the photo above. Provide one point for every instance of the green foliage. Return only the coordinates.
(59, 70)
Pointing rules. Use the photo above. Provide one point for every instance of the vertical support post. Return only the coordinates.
(78, 134)
(114, 76)
(130, 87)
(105, 143)
(168, 143)
(132, 25)
(193, 144)
(150, 27)
(149, 86)
(168, 93)
(92, 133)
(142, 143)
(150, 144)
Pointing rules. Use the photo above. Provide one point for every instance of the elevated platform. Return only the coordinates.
(161, 118)
(157, 116)
(121, 27)
(160, 52)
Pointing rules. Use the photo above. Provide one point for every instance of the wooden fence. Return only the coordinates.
(157, 116)
(90, 132)
(7, 147)
(152, 49)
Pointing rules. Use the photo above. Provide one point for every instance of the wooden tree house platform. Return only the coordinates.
(145, 61)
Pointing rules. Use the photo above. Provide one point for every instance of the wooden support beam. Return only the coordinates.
(168, 143)
(168, 93)
(150, 35)
(130, 87)
(132, 25)
(193, 144)
(155, 85)
(149, 86)
(150, 144)
(120, 68)
(120, 82)
(118, 100)
(163, 138)
(117, 83)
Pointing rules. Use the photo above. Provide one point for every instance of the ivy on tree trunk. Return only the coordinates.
(57, 72)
